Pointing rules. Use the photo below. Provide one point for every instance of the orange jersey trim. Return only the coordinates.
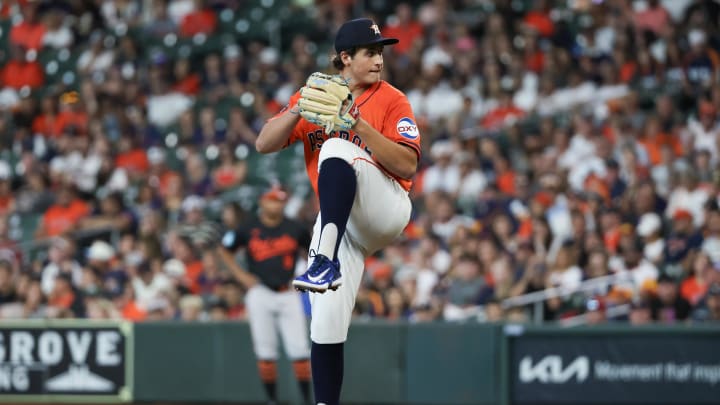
(384, 107)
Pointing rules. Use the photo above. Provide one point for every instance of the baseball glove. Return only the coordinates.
(326, 100)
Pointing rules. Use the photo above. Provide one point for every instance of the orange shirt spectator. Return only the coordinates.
(198, 22)
(627, 71)
(496, 118)
(7, 203)
(69, 118)
(535, 61)
(693, 289)
(134, 161)
(71, 114)
(189, 85)
(132, 312)
(407, 33)
(45, 124)
(62, 218)
(541, 22)
(192, 273)
(655, 143)
(27, 34)
(506, 181)
(18, 73)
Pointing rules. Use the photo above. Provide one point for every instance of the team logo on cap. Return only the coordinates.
(375, 29)
(407, 128)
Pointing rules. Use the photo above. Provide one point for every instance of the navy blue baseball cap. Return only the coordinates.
(360, 32)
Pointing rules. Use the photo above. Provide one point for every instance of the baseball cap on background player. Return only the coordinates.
(360, 32)
(276, 193)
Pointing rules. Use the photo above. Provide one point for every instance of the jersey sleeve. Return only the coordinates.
(232, 240)
(296, 134)
(400, 125)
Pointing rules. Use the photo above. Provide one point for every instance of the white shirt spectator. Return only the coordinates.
(568, 279)
(638, 275)
(83, 169)
(584, 168)
(693, 201)
(146, 293)
(436, 55)
(95, 63)
(165, 109)
(472, 185)
(447, 229)
(704, 139)
(439, 101)
(653, 251)
(51, 271)
(441, 178)
(58, 39)
(178, 9)
(580, 149)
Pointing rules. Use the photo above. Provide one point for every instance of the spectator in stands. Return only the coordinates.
(465, 288)
(202, 20)
(694, 287)
(649, 229)
(98, 58)
(640, 312)
(64, 300)
(682, 240)
(57, 33)
(403, 26)
(668, 306)
(29, 33)
(21, 71)
(708, 309)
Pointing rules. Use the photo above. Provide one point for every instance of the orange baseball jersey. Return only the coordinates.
(383, 106)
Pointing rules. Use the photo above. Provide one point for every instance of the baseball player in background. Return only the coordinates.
(361, 150)
(272, 243)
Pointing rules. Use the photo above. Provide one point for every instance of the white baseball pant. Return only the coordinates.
(270, 311)
(380, 212)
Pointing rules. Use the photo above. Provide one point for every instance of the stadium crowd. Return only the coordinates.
(562, 141)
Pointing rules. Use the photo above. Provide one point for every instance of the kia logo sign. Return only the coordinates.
(550, 370)
(407, 128)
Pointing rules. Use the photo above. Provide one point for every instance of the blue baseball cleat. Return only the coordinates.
(322, 275)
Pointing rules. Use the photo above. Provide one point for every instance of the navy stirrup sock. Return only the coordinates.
(337, 185)
(327, 361)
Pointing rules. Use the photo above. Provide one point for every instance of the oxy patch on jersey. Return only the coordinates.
(407, 128)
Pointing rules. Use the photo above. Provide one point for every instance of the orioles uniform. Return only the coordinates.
(273, 306)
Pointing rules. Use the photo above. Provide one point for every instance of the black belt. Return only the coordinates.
(281, 288)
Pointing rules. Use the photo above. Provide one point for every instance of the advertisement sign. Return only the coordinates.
(621, 369)
(65, 361)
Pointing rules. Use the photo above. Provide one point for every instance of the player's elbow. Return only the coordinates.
(407, 170)
(262, 145)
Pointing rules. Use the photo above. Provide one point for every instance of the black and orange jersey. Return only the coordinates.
(383, 106)
(271, 252)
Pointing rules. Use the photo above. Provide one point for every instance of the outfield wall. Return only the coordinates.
(386, 363)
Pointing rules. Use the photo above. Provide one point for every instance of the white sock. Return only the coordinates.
(328, 240)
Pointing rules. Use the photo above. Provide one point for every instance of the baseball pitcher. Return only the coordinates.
(361, 150)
